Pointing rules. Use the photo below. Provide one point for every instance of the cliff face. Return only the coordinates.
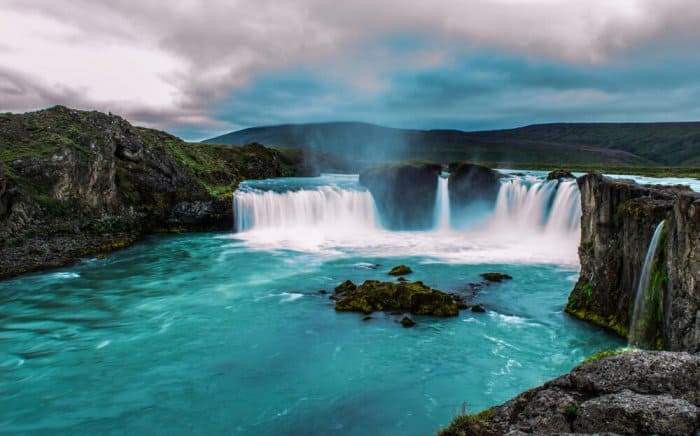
(682, 303)
(618, 221)
(74, 182)
(404, 193)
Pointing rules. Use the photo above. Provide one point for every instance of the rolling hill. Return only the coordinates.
(613, 144)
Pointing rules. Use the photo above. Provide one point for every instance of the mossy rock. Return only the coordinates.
(414, 297)
(560, 174)
(400, 270)
(495, 276)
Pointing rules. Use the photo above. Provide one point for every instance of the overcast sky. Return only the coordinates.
(199, 69)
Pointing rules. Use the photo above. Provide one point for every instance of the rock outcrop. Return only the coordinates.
(471, 183)
(75, 182)
(404, 193)
(414, 297)
(618, 220)
(640, 392)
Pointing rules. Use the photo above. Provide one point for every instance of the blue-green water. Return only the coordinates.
(210, 334)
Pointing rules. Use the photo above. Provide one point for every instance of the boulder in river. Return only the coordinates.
(495, 277)
(415, 297)
(400, 270)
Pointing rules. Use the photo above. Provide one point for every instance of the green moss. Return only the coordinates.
(400, 270)
(600, 354)
(610, 322)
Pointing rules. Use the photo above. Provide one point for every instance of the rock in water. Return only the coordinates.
(374, 295)
(400, 270)
(495, 277)
(560, 174)
(407, 322)
(478, 308)
(404, 193)
(470, 183)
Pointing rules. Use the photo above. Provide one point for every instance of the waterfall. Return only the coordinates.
(324, 207)
(551, 206)
(441, 215)
(524, 206)
(642, 329)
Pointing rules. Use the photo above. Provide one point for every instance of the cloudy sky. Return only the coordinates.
(199, 69)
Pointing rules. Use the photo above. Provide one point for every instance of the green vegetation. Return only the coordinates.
(400, 270)
(570, 410)
(648, 171)
(570, 146)
(604, 353)
(466, 424)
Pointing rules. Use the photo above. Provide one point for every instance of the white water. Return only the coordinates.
(441, 216)
(532, 221)
(325, 207)
(638, 335)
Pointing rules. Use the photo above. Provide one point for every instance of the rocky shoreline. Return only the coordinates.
(637, 392)
(76, 183)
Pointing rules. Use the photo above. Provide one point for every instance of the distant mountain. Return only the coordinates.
(620, 144)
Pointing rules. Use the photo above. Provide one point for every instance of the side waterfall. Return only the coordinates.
(441, 215)
(642, 330)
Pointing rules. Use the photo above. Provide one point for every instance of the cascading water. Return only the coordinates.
(536, 205)
(532, 220)
(326, 206)
(441, 216)
(642, 329)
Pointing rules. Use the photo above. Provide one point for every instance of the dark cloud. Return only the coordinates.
(189, 66)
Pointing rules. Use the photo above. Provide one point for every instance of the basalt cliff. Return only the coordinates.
(74, 183)
(618, 220)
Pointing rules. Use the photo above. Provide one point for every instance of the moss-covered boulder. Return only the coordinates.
(400, 270)
(414, 297)
(404, 193)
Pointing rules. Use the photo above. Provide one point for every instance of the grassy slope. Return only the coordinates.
(635, 144)
(43, 134)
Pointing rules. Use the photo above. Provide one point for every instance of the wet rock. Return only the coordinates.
(366, 318)
(478, 308)
(495, 277)
(559, 175)
(374, 295)
(629, 412)
(400, 270)
(322, 292)
(471, 183)
(639, 392)
(407, 322)
(402, 279)
(617, 223)
(404, 193)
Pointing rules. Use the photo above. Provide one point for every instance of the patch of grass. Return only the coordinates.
(467, 424)
(600, 354)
